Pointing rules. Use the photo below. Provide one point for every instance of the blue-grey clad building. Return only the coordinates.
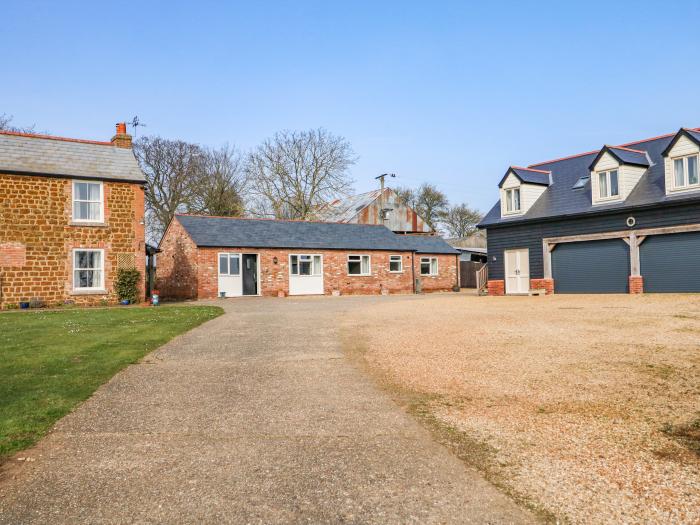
(622, 219)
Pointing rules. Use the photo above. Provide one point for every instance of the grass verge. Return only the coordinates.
(52, 360)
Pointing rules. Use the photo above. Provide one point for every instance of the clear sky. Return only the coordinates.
(446, 92)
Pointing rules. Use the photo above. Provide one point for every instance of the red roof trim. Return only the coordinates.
(52, 137)
(271, 220)
(620, 146)
(628, 149)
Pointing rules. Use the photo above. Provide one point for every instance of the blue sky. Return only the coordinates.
(446, 92)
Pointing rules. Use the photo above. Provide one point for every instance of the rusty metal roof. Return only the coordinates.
(345, 210)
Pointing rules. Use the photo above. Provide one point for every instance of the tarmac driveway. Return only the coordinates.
(254, 417)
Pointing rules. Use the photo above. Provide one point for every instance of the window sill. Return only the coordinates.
(88, 223)
(686, 189)
(359, 275)
(89, 292)
(400, 271)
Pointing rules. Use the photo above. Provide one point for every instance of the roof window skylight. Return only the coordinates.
(581, 182)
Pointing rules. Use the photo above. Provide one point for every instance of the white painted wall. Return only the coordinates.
(529, 193)
(306, 284)
(232, 285)
(627, 178)
(683, 147)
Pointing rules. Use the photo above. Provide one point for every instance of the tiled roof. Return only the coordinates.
(263, 233)
(528, 175)
(561, 199)
(44, 155)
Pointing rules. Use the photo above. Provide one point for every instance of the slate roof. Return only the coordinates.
(344, 210)
(262, 233)
(633, 157)
(561, 200)
(45, 155)
(427, 244)
(528, 175)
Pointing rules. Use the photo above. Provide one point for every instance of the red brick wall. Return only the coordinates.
(539, 284)
(496, 287)
(447, 277)
(35, 216)
(636, 284)
(186, 272)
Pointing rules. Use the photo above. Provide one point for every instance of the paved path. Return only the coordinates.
(255, 417)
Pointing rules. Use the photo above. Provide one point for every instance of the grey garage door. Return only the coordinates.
(591, 267)
(671, 263)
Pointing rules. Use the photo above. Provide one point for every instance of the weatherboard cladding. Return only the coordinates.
(560, 199)
(530, 234)
(261, 233)
(26, 154)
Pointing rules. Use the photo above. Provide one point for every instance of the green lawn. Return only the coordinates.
(52, 360)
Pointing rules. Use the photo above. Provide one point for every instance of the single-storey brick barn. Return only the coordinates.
(205, 257)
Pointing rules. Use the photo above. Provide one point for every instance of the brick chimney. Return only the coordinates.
(122, 139)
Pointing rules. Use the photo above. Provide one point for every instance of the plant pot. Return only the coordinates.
(222, 295)
(24, 305)
(125, 302)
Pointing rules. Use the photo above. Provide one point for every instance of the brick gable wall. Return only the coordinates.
(188, 272)
(37, 238)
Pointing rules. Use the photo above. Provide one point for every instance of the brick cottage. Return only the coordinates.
(205, 257)
(71, 214)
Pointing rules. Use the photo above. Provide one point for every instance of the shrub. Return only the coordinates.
(127, 284)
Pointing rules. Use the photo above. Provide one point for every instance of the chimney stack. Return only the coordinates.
(122, 139)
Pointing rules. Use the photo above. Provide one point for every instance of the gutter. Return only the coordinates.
(594, 213)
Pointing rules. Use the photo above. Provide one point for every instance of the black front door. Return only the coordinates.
(250, 274)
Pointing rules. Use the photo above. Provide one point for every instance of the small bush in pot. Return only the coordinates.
(127, 285)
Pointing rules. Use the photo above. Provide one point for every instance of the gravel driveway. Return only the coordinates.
(254, 417)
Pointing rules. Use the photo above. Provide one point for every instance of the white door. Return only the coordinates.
(305, 274)
(517, 271)
(230, 280)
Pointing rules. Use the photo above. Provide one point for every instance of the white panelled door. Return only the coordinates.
(517, 267)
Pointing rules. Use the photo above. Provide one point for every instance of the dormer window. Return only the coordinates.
(513, 200)
(685, 172)
(608, 186)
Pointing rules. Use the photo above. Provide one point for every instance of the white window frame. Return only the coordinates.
(228, 255)
(394, 258)
(686, 184)
(608, 177)
(316, 269)
(101, 286)
(510, 200)
(101, 201)
(430, 261)
(361, 256)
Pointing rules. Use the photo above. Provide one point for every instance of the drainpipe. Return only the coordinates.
(413, 270)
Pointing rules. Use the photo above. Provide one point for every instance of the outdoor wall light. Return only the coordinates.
(274, 260)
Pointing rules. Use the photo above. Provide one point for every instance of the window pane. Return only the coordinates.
(304, 267)
(516, 200)
(81, 191)
(395, 263)
(692, 170)
(603, 183)
(223, 264)
(365, 264)
(679, 174)
(433, 266)
(81, 259)
(425, 267)
(317, 265)
(93, 211)
(94, 192)
(354, 267)
(235, 265)
(509, 201)
(613, 183)
(353, 257)
(81, 211)
(96, 260)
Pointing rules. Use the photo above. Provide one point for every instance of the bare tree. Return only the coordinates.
(460, 220)
(406, 195)
(431, 203)
(6, 125)
(222, 184)
(172, 169)
(296, 171)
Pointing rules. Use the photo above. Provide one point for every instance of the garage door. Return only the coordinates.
(591, 267)
(671, 263)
